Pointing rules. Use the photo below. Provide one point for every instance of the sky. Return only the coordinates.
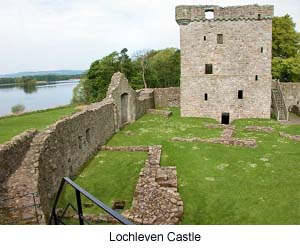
(46, 35)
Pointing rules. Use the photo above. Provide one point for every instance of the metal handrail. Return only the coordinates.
(276, 108)
(79, 190)
(282, 97)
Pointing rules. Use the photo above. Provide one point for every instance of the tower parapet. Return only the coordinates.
(191, 13)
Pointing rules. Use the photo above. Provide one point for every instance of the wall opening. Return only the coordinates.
(256, 77)
(124, 108)
(240, 94)
(259, 16)
(205, 97)
(80, 142)
(88, 135)
(204, 38)
(209, 14)
(208, 68)
(261, 49)
(225, 118)
(220, 39)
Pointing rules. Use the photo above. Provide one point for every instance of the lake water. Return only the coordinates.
(42, 97)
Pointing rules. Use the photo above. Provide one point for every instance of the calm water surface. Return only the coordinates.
(43, 97)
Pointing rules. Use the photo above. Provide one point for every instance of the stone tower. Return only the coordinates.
(225, 61)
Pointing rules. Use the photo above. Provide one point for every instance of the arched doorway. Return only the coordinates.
(124, 108)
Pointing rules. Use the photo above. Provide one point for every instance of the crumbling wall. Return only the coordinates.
(12, 153)
(167, 97)
(33, 165)
(118, 87)
(69, 143)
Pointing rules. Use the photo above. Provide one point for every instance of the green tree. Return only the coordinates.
(17, 109)
(164, 68)
(286, 70)
(286, 40)
(286, 50)
(99, 76)
(78, 93)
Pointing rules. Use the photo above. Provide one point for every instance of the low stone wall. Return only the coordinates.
(167, 97)
(291, 137)
(260, 129)
(291, 92)
(144, 101)
(12, 153)
(225, 139)
(65, 146)
(156, 199)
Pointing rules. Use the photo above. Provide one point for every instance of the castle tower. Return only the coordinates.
(226, 58)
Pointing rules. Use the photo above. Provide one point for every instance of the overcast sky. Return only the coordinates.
(70, 34)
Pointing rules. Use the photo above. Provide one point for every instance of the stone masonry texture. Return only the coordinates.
(244, 54)
(291, 93)
(167, 97)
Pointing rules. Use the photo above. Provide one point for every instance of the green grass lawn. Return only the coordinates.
(218, 184)
(13, 125)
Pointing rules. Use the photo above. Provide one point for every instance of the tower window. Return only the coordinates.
(209, 14)
(208, 68)
(220, 38)
(205, 97)
(259, 16)
(240, 94)
(256, 77)
(261, 49)
(204, 38)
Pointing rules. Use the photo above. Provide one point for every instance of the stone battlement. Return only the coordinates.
(190, 13)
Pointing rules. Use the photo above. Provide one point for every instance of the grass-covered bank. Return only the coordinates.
(219, 184)
(11, 126)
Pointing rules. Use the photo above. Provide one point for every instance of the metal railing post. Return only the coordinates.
(79, 207)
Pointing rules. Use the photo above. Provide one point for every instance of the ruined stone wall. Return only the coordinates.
(69, 143)
(13, 152)
(291, 92)
(144, 101)
(35, 163)
(125, 108)
(167, 97)
(244, 54)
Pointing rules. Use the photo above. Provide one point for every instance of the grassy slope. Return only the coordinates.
(14, 125)
(219, 184)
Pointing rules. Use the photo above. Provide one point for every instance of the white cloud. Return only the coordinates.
(70, 34)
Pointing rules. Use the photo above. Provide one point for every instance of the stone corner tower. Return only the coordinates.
(226, 58)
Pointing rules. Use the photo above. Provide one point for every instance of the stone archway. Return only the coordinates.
(124, 108)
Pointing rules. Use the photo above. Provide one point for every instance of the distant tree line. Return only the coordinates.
(161, 68)
(146, 69)
(47, 78)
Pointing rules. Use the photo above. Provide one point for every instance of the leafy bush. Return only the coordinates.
(19, 108)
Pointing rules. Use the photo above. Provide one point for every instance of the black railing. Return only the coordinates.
(58, 219)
